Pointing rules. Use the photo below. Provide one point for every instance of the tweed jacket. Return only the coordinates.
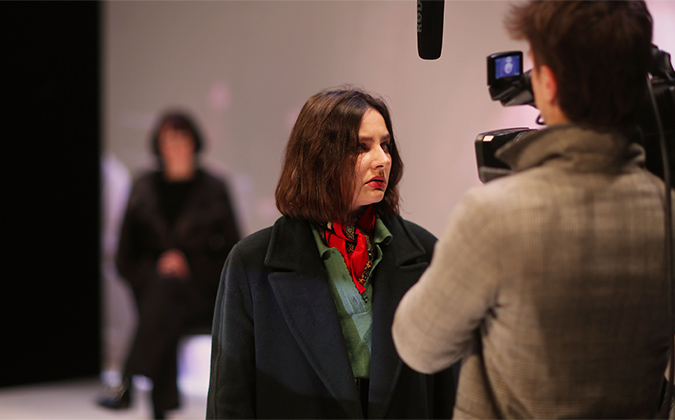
(205, 232)
(278, 348)
(550, 284)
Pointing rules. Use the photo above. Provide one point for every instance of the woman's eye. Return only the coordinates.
(363, 147)
(386, 147)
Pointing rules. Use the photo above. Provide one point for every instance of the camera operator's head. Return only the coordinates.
(590, 58)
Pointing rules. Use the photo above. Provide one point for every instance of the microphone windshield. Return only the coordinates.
(430, 28)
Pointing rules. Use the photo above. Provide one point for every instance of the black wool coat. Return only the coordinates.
(278, 348)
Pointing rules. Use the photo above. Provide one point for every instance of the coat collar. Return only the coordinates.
(301, 287)
(571, 146)
(292, 244)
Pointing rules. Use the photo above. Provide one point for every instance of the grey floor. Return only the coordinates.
(75, 400)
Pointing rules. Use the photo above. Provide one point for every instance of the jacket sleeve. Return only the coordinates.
(135, 263)
(443, 384)
(436, 319)
(232, 382)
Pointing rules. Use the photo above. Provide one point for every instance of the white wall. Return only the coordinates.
(244, 68)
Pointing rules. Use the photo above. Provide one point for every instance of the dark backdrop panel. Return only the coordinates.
(50, 302)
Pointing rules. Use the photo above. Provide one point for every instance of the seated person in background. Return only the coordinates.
(178, 228)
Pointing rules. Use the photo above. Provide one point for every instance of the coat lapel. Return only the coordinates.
(395, 274)
(300, 285)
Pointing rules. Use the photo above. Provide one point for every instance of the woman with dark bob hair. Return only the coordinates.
(177, 231)
(304, 309)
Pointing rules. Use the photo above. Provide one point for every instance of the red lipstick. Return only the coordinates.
(377, 182)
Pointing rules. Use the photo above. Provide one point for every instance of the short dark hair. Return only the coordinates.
(177, 120)
(317, 179)
(599, 51)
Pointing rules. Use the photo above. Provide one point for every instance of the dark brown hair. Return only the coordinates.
(599, 51)
(177, 120)
(317, 179)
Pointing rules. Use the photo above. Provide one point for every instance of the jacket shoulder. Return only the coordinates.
(254, 246)
(411, 242)
(145, 179)
(420, 233)
(211, 178)
(255, 239)
(143, 188)
(415, 231)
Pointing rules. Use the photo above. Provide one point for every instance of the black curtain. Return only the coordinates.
(50, 299)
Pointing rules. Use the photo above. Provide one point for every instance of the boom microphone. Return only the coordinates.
(430, 28)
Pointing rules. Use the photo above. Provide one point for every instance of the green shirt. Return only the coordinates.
(355, 313)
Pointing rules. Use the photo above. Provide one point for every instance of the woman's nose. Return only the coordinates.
(381, 158)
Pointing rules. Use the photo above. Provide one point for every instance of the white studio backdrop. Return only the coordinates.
(244, 69)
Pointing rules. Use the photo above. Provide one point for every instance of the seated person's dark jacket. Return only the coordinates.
(205, 231)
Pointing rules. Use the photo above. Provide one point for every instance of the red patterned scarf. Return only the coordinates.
(354, 244)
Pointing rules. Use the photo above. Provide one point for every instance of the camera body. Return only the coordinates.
(511, 86)
(487, 144)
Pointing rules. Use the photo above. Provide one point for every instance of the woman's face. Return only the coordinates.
(374, 162)
(175, 146)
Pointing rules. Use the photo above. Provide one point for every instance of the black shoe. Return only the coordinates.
(116, 397)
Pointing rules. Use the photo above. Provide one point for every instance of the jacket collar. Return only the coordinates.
(571, 146)
(292, 244)
(307, 305)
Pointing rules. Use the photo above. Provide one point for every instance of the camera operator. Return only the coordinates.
(549, 283)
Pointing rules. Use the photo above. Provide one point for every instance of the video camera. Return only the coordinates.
(509, 85)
